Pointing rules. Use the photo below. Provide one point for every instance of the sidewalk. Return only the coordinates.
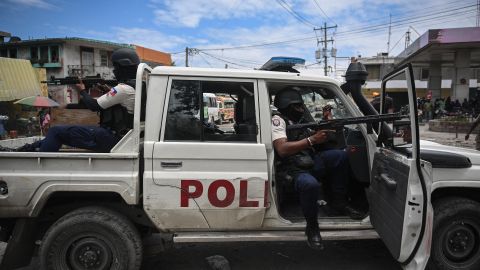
(447, 138)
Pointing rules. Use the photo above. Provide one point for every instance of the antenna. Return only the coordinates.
(390, 32)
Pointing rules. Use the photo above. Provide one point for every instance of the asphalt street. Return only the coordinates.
(338, 255)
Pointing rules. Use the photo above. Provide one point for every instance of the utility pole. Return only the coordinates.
(186, 56)
(389, 33)
(407, 38)
(325, 44)
(478, 13)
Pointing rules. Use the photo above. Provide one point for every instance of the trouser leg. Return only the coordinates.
(333, 165)
(308, 188)
(92, 138)
(54, 139)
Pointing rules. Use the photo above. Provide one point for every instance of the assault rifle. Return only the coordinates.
(89, 81)
(335, 124)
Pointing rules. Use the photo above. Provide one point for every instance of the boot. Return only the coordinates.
(314, 239)
(6, 149)
(29, 147)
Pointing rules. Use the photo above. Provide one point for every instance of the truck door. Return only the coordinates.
(399, 194)
(206, 175)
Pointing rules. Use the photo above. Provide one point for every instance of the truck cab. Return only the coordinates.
(223, 183)
(176, 175)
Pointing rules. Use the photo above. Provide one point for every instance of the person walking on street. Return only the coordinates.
(472, 128)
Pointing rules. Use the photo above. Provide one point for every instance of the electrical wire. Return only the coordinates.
(421, 12)
(295, 14)
(435, 15)
(205, 60)
(326, 16)
(396, 43)
(223, 60)
(353, 32)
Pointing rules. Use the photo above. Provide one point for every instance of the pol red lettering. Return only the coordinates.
(185, 192)
(244, 202)
(213, 194)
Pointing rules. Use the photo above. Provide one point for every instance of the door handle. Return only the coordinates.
(389, 181)
(171, 164)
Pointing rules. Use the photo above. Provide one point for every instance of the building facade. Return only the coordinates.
(64, 57)
(72, 56)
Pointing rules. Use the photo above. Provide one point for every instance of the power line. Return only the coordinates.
(246, 61)
(223, 60)
(205, 59)
(295, 14)
(396, 44)
(326, 16)
(259, 44)
(364, 28)
(376, 29)
(420, 12)
(362, 36)
(350, 33)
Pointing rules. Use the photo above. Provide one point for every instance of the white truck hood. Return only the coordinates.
(472, 154)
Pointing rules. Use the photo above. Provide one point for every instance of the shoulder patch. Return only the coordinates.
(112, 92)
(276, 122)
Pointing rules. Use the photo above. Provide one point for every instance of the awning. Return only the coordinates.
(18, 79)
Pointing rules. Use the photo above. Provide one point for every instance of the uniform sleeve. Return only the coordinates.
(279, 128)
(115, 96)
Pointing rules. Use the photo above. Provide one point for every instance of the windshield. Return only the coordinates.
(323, 107)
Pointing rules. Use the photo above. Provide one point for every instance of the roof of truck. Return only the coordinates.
(239, 73)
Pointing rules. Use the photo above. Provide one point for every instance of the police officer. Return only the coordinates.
(295, 149)
(116, 108)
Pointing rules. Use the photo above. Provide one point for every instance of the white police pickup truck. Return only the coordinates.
(191, 181)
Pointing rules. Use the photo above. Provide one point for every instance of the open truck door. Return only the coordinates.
(399, 193)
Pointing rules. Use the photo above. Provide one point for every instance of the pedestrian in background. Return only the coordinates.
(427, 110)
(472, 128)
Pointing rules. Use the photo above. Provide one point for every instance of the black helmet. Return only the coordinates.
(286, 97)
(125, 62)
(125, 57)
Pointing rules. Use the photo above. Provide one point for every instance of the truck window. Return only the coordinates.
(188, 98)
(321, 102)
(396, 100)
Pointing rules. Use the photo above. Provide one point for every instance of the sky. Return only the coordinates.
(240, 33)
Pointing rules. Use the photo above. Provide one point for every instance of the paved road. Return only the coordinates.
(338, 255)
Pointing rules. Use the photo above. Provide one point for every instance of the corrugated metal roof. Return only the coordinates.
(18, 79)
(62, 40)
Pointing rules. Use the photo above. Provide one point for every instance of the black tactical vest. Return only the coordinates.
(300, 162)
(117, 119)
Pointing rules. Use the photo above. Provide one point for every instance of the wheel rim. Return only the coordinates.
(89, 253)
(461, 241)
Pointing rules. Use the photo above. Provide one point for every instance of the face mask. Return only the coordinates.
(295, 114)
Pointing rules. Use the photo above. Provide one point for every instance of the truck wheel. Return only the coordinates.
(456, 235)
(91, 238)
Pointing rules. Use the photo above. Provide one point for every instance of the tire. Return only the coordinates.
(91, 238)
(456, 235)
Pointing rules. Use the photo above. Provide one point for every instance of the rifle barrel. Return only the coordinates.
(86, 81)
(334, 123)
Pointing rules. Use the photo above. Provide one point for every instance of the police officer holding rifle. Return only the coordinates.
(301, 145)
(116, 108)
